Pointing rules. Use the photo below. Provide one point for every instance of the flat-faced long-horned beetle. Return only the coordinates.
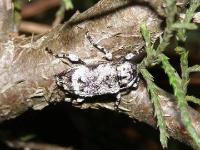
(109, 77)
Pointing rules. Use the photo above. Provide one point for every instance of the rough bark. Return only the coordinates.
(27, 70)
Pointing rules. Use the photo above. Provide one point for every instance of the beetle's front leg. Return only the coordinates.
(71, 57)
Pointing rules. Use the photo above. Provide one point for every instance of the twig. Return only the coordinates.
(31, 27)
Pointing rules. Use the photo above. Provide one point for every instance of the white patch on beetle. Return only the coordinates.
(73, 57)
(129, 56)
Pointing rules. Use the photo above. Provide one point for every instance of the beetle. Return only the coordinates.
(105, 78)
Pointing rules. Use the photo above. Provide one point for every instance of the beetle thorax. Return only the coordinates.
(127, 72)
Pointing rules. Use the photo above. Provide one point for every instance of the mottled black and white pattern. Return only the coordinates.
(104, 78)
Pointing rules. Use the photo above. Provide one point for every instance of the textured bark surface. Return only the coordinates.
(27, 70)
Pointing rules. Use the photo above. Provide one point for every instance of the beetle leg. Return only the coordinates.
(67, 99)
(108, 55)
(79, 100)
(117, 102)
(74, 101)
(71, 57)
(135, 85)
